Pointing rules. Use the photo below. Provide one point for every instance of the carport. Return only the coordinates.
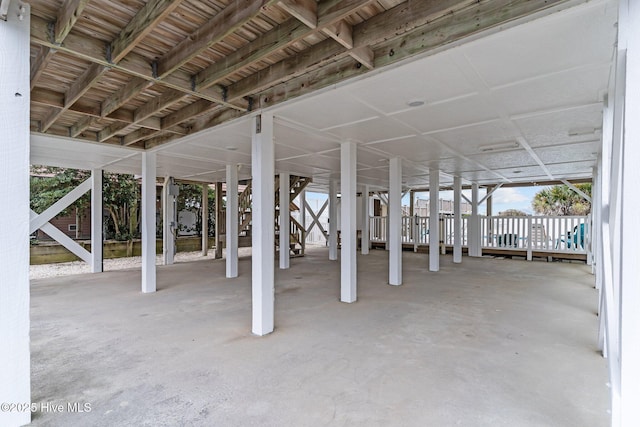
(359, 97)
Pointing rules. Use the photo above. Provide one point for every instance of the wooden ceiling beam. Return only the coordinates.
(231, 18)
(111, 131)
(403, 18)
(77, 89)
(305, 11)
(129, 91)
(189, 112)
(314, 57)
(151, 14)
(332, 11)
(280, 37)
(137, 135)
(40, 64)
(157, 104)
(82, 125)
(383, 26)
(92, 50)
(54, 99)
(364, 55)
(341, 32)
(69, 14)
(448, 28)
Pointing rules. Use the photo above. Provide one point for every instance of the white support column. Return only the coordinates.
(395, 221)
(303, 217)
(348, 207)
(14, 217)
(168, 221)
(232, 221)
(96, 221)
(366, 221)
(629, 39)
(205, 219)
(148, 224)
(218, 221)
(529, 241)
(284, 220)
(434, 219)
(457, 220)
(333, 220)
(473, 239)
(263, 220)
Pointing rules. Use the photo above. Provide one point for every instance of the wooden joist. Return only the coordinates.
(237, 14)
(250, 54)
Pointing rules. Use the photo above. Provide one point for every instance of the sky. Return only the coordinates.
(504, 198)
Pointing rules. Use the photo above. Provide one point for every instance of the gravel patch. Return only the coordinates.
(80, 267)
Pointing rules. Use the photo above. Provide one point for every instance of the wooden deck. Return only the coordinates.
(496, 252)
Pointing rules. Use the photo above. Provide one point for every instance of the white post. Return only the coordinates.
(629, 36)
(263, 220)
(434, 219)
(205, 219)
(285, 195)
(96, 221)
(218, 222)
(14, 217)
(303, 218)
(333, 220)
(394, 225)
(473, 239)
(232, 221)
(348, 207)
(364, 243)
(148, 225)
(529, 241)
(457, 220)
(169, 226)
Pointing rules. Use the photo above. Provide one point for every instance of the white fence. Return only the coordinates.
(554, 234)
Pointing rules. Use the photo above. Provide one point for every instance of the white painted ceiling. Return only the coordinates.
(540, 84)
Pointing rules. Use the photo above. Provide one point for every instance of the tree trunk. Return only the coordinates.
(78, 223)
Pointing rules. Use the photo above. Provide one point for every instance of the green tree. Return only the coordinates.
(121, 198)
(121, 195)
(512, 212)
(562, 200)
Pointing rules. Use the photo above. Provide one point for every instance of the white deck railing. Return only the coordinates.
(554, 234)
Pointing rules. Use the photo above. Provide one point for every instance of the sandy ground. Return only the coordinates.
(80, 267)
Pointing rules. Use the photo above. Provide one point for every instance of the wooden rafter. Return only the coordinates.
(153, 12)
(77, 89)
(40, 64)
(150, 15)
(290, 59)
(124, 95)
(69, 14)
(446, 29)
(341, 32)
(306, 11)
(133, 64)
(237, 14)
(281, 37)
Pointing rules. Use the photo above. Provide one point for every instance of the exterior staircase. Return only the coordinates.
(297, 233)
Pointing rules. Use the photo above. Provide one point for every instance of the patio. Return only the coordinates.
(486, 342)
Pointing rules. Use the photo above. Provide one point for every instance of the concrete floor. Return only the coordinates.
(486, 343)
